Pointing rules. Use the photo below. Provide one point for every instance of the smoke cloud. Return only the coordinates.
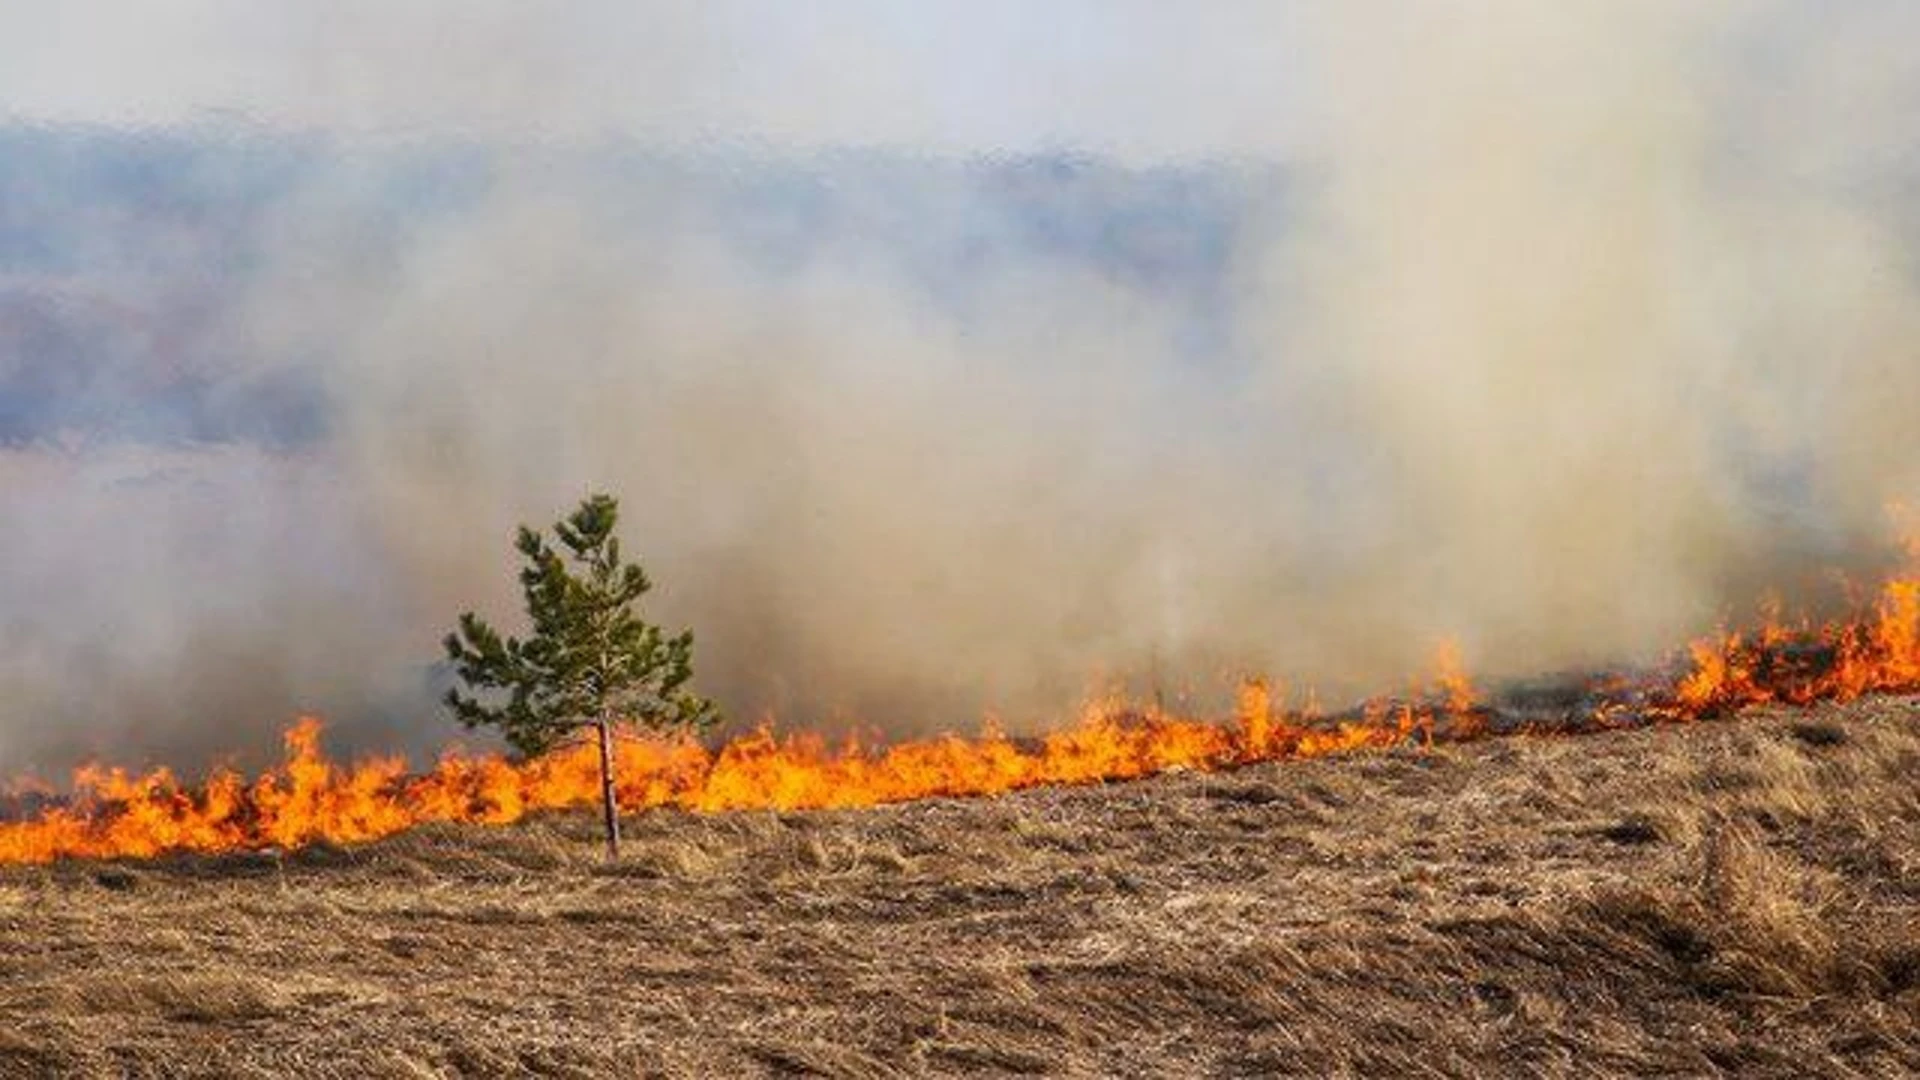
(945, 365)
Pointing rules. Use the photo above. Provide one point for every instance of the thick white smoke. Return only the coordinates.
(1559, 330)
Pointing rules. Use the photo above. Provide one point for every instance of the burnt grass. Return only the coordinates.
(1739, 897)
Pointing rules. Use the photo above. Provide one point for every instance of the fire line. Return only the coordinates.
(308, 798)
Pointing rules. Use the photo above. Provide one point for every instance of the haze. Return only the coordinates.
(948, 358)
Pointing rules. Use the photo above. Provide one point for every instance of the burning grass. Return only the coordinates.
(1739, 897)
(310, 799)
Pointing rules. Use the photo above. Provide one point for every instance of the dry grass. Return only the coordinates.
(1729, 898)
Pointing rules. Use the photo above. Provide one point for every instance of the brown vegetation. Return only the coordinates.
(1718, 898)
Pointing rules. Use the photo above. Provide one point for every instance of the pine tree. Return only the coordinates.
(590, 661)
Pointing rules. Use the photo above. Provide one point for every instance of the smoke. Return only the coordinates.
(1560, 331)
(1625, 335)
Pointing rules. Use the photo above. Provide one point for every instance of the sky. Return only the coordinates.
(1126, 78)
(951, 359)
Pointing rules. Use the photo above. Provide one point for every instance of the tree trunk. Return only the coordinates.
(609, 802)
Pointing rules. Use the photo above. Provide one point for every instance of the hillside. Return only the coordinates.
(1736, 896)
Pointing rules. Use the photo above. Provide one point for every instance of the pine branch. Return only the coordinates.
(589, 654)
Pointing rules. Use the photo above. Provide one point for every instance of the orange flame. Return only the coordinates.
(308, 798)
(1839, 662)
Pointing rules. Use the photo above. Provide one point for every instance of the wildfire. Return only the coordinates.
(309, 798)
(1879, 654)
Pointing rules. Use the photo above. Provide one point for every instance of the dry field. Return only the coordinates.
(1736, 897)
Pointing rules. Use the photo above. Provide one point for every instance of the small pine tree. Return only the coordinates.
(591, 660)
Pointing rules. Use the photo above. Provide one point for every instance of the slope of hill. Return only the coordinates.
(1724, 897)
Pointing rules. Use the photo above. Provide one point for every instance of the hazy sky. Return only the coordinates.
(1133, 78)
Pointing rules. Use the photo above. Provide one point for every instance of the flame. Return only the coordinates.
(308, 798)
(1879, 654)
(1455, 683)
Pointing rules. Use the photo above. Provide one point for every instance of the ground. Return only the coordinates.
(1739, 896)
